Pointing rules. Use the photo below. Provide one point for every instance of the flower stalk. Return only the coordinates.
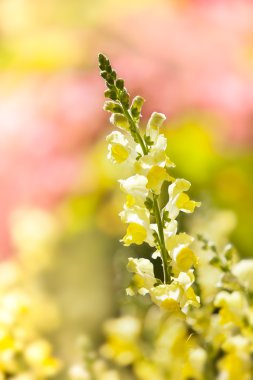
(146, 154)
(164, 253)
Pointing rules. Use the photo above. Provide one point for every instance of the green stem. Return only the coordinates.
(133, 125)
(164, 252)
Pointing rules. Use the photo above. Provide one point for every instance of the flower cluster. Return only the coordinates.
(214, 341)
(147, 219)
(26, 311)
(192, 340)
(91, 366)
(24, 353)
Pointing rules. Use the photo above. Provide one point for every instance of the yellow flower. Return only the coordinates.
(154, 124)
(118, 147)
(148, 370)
(122, 338)
(178, 200)
(179, 240)
(143, 279)
(38, 356)
(195, 363)
(188, 296)
(177, 296)
(156, 157)
(156, 176)
(197, 358)
(78, 372)
(135, 186)
(184, 258)
(170, 229)
(136, 234)
(139, 229)
(167, 297)
(234, 366)
(243, 270)
(237, 343)
(233, 307)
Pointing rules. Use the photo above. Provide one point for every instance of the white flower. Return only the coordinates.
(78, 372)
(154, 124)
(233, 307)
(143, 279)
(170, 229)
(197, 359)
(156, 157)
(139, 228)
(135, 186)
(237, 343)
(120, 147)
(179, 240)
(177, 296)
(178, 200)
(243, 270)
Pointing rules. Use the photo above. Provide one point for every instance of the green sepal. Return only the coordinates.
(149, 203)
(148, 140)
(157, 240)
(166, 217)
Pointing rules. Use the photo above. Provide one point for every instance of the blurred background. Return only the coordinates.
(190, 59)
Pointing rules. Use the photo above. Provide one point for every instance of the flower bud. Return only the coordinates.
(136, 106)
(119, 121)
(155, 122)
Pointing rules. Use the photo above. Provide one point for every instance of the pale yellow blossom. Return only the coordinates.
(135, 186)
(119, 148)
(143, 279)
(178, 200)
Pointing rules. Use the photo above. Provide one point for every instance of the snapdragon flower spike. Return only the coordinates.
(147, 222)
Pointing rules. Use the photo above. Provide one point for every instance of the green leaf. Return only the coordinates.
(166, 217)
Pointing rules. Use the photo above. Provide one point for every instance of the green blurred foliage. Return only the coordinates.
(221, 175)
